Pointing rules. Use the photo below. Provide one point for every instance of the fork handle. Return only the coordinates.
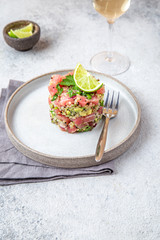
(102, 141)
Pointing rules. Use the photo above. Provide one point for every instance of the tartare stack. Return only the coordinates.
(71, 108)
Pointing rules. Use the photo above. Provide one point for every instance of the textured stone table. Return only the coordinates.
(125, 205)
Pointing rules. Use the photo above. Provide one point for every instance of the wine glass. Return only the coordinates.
(109, 61)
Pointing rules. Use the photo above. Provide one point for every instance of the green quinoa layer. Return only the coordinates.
(62, 123)
(75, 110)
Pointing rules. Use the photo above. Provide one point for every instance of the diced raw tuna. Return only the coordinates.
(57, 111)
(63, 100)
(72, 130)
(101, 90)
(63, 118)
(94, 100)
(82, 125)
(100, 110)
(55, 79)
(52, 90)
(82, 100)
(89, 118)
(92, 124)
(49, 100)
(70, 73)
(53, 83)
(79, 121)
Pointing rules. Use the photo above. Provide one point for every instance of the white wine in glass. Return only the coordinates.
(111, 62)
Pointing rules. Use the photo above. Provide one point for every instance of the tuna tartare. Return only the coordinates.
(72, 109)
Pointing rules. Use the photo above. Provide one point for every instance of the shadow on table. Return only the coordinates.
(43, 44)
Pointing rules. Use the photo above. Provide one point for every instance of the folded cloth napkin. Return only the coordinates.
(16, 168)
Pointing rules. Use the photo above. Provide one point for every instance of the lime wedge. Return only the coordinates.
(20, 34)
(11, 34)
(28, 28)
(84, 80)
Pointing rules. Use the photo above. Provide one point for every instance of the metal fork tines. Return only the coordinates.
(110, 111)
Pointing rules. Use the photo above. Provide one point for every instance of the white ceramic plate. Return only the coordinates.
(30, 130)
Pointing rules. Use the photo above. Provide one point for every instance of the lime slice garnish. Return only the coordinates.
(28, 28)
(84, 80)
(20, 34)
(11, 34)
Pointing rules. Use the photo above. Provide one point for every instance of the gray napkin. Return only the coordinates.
(16, 168)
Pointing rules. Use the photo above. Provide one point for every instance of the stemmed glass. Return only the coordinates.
(110, 62)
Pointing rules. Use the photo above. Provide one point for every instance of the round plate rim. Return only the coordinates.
(13, 138)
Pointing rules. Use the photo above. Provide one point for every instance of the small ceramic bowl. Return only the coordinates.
(21, 44)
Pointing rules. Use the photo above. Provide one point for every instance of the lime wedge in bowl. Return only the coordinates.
(20, 34)
(28, 28)
(84, 80)
(11, 34)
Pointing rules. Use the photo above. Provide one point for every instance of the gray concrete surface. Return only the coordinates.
(125, 205)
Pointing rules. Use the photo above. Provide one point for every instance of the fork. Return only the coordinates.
(108, 112)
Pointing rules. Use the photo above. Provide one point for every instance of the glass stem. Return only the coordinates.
(110, 51)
